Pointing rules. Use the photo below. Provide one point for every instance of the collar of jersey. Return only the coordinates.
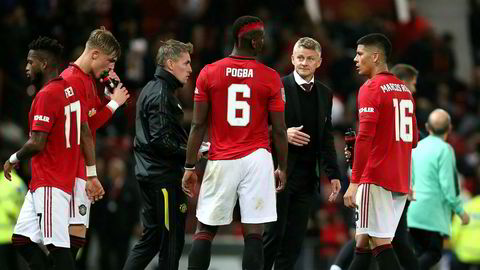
(242, 57)
(78, 68)
(385, 73)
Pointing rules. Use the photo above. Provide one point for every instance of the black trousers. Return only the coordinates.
(401, 244)
(163, 216)
(280, 246)
(8, 257)
(428, 246)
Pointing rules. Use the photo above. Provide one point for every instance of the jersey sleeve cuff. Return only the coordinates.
(41, 128)
(113, 105)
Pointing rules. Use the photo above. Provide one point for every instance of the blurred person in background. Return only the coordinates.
(235, 98)
(308, 117)
(120, 206)
(11, 200)
(466, 238)
(160, 147)
(401, 241)
(100, 54)
(435, 182)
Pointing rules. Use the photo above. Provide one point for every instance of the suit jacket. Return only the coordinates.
(326, 156)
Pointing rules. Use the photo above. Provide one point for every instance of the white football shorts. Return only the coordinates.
(79, 204)
(379, 210)
(249, 179)
(44, 217)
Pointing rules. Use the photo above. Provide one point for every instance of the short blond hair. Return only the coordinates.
(103, 40)
(308, 43)
(172, 49)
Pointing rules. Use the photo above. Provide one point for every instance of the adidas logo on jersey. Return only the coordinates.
(366, 109)
(41, 118)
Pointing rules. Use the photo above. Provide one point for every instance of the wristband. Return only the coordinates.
(91, 171)
(113, 105)
(13, 158)
(189, 167)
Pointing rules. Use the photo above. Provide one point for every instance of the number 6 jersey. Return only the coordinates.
(56, 110)
(240, 91)
(387, 133)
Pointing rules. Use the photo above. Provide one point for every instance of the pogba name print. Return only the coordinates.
(239, 72)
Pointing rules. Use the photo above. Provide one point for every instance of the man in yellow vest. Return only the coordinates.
(11, 200)
(465, 239)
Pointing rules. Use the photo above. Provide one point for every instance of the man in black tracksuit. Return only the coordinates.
(159, 149)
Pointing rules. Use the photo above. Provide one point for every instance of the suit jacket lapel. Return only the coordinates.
(293, 102)
(322, 105)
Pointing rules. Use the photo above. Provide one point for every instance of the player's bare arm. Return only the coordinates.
(280, 141)
(93, 187)
(33, 146)
(197, 132)
(363, 146)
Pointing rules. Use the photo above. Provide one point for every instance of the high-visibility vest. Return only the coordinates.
(12, 194)
(466, 238)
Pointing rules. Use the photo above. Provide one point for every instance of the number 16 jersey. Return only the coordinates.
(240, 92)
(387, 103)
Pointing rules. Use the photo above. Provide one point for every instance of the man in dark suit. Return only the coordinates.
(308, 117)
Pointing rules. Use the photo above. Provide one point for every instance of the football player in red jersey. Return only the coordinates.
(58, 133)
(387, 133)
(101, 52)
(401, 242)
(234, 98)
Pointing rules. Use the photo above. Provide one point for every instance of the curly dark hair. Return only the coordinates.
(48, 45)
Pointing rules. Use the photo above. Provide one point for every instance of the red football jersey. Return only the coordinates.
(387, 103)
(241, 91)
(98, 113)
(56, 110)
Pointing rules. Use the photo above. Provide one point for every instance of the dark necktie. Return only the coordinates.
(307, 86)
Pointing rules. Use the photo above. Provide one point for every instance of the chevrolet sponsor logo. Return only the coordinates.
(41, 118)
(366, 109)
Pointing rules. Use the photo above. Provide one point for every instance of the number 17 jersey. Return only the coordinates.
(241, 92)
(56, 110)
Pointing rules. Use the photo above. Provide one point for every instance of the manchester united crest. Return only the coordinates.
(183, 208)
(82, 209)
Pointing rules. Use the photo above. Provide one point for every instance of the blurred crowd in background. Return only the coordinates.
(139, 25)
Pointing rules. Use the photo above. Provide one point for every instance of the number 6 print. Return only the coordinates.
(234, 105)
